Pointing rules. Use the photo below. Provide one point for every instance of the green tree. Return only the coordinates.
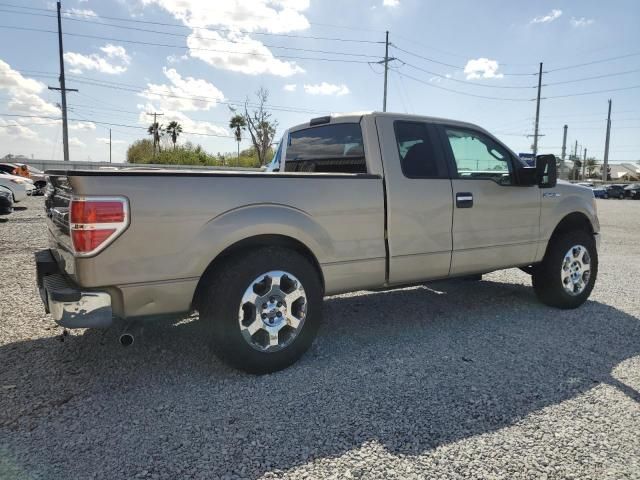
(238, 124)
(174, 129)
(156, 131)
(140, 151)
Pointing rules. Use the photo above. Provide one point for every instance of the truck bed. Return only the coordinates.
(181, 220)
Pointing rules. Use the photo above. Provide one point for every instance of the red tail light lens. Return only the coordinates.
(85, 241)
(95, 223)
(96, 212)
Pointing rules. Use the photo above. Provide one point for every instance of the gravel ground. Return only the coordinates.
(452, 380)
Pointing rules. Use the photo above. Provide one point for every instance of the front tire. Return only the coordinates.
(263, 308)
(568, 272)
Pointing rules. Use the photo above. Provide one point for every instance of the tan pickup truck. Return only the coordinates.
(351, 202)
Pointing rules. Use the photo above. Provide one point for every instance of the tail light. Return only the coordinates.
(95, 222)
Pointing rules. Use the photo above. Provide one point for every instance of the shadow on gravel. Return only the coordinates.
(411, 369)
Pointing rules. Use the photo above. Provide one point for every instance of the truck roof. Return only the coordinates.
(351, 117)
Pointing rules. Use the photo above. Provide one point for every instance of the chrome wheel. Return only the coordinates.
(272, 311)
(576, 270)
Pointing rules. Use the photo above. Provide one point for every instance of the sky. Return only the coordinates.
(194, 60)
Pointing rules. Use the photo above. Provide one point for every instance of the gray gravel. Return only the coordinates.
(455, 380)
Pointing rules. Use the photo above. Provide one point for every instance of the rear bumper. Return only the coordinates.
(69, 305)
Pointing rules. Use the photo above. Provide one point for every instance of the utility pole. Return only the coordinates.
(386, 61)
(63, 90)
(109, 145)
(535, 133)
(605, 163)
(386, 70)
(564, 148)
(155, 131)
(575, 158)
(584, 163)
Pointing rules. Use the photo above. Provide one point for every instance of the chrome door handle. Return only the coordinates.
(464, 200)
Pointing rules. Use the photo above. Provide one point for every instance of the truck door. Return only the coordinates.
(496, 222)
(419, 201)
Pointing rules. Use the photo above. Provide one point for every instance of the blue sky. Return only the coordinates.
(484, 48)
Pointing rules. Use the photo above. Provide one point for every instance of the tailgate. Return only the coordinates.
(56, 204)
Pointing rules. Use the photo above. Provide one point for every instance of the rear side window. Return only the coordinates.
(418, 158)
(336, 148)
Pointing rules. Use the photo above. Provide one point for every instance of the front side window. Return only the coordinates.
(417, 156)
(336, 148)
(479, 157)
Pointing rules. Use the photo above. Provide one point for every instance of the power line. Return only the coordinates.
(466, 82)
(191, 36)
(138, 89)
(430, 84)
(593, 62)
(584, 79)
(592, 92)
(108, 123)
(457, 67)
(178, 25)
(186, 47)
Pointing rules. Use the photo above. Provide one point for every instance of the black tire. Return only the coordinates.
(546, 277)
(221, 300)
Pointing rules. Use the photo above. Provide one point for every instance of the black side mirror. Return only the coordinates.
(546, 171)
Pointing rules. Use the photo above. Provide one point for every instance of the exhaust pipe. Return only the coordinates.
(126, 339)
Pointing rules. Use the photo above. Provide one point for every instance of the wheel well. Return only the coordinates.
(572, 222)
(256, 242)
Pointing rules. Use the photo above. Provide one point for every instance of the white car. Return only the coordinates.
(19, 186)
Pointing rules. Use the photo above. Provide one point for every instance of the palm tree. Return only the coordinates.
(174, 129)
(238, 123)
(156, 130)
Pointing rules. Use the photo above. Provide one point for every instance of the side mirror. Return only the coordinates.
(527, 176)
(546, 171)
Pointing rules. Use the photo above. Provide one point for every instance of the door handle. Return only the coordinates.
(464, 200)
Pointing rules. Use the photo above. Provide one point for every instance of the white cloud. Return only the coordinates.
(176, 58)
(325, 88)
(80, 12)
(82, 126)
(581, 22)
(274, 16)
(239, 53)
(550, 17)
(76, 142)
(115, 62)
(482, 68)
(14, 130)
(24, 93)
(188, 125)
(180, 93)
(290, 87)
(232, 50)
(390, 3)
(113, 142)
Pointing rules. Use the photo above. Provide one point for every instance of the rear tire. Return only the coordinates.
(263, 308)
(567, 274)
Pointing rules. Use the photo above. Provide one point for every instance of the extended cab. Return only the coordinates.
(352, 202)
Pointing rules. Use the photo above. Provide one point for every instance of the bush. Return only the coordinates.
(141, 152)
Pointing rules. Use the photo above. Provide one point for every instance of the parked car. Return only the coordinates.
(600, 192)
(17, 185)
(37, 176)
(6, 201)
(632, 191)
(352, 202)
(615, 191)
